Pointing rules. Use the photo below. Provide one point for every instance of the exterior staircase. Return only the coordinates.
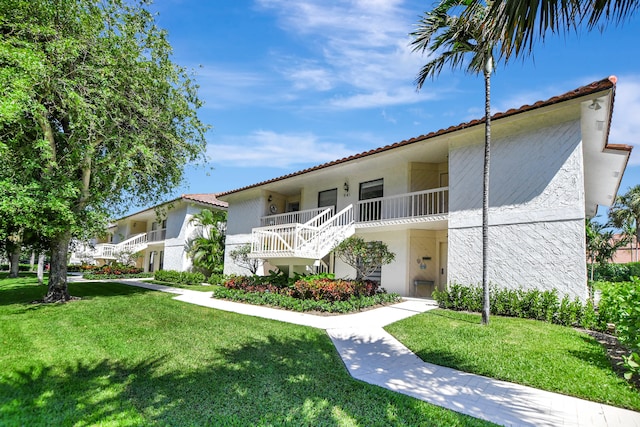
(133, 244)
(312, 240)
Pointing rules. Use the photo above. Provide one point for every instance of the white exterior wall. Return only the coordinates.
(394, 276)
(241, 218)
(178, 230)
(536, 234)
(395, 182)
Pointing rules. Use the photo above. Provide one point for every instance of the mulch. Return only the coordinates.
(615, 351)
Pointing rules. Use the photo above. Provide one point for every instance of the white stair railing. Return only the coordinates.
(313, 239)
(133, 244)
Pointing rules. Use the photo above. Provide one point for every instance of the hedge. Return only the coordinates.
(529, 304)
(180, 277)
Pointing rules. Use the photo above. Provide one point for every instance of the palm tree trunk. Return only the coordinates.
(485, 191)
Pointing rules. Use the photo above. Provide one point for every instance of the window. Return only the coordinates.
(371, 189)
(371, 211)
(328, 198)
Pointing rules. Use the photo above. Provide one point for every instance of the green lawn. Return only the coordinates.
(126, 356)
(200, 288)
(529, 352)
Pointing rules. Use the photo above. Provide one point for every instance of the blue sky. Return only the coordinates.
(289, 84)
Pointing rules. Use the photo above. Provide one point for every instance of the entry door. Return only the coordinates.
(442, 268)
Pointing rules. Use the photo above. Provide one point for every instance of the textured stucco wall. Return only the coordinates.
(242, 216)
(394, 275)
(536, 236)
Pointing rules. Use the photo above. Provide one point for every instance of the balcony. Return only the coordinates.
(157, 235)
(286, 236)
(427, 205)
(298, 217)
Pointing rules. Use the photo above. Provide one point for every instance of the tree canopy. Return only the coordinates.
(521, 22)
(94, 115)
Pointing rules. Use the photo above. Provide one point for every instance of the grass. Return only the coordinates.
(529, 352)
(201, 288)
(126, 356)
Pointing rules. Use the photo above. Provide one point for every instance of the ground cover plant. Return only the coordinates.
(538, 354)
(123, 356)
(321, 292)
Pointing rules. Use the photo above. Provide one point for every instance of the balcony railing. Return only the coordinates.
(298, 217)
(404, 206)
(157, 235)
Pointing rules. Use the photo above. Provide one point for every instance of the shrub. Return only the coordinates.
(114, 270)
(179, 277)
(21, 267)
(320, 292)
(296, 304)
(616, 272)
(332, 289)
(216, 279)
(529, 304)
(620, 305)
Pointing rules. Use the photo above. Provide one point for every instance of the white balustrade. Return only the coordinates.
(411, 205)
(297, 217)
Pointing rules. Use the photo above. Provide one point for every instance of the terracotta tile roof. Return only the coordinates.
(595, 87)
(206, 198)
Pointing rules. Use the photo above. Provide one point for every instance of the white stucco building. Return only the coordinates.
(551, 166)
(159, 233)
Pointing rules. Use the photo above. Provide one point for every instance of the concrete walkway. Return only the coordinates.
(374, 356)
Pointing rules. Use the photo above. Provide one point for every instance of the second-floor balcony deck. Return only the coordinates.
(313, 233)
(426, 205)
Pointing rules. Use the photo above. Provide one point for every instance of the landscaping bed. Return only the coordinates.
(315, 293)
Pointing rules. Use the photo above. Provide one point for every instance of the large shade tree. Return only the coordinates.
(93, 115)
(454, 33)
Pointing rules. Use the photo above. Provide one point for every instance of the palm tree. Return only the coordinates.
(206, 247)
(625, 213)
(521, 21)
(462, 42)
(601, 243)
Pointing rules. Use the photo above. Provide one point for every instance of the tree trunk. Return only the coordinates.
(58, 291)
(485, 192)
(32, 261)
(14, 261)
(40, 269)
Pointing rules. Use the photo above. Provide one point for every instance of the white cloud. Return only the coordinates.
(625, 126)
(265, 148)
(359, 47)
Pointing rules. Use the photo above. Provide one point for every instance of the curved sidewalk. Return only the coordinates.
(374, 356)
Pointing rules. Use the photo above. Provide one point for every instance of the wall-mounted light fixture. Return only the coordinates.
(595, 105)
(270, 198)
(346, 188)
